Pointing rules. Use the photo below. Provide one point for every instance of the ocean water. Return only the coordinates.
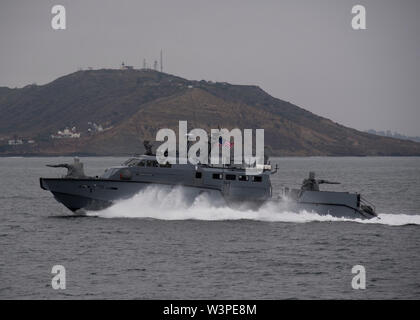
(158, 246)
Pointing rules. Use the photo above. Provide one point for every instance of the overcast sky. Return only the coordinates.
(304, 52)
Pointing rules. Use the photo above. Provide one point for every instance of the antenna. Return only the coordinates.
(155, 65)
(144, 63)
(161, 61)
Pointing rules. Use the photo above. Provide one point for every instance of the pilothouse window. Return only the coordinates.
(230, 177)
(152, 163)
(165, 165)
(257, 178)
(217, 176)
(130, 162)
(243, 178)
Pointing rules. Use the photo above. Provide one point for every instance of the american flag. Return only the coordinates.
(227, 144)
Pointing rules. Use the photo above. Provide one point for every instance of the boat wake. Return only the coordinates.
(178, 204)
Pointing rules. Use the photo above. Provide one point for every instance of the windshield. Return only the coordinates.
(131, 162)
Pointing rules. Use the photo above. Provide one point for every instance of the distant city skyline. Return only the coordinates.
(304, 52)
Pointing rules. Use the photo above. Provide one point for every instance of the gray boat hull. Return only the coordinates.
(97, 194)
(336, 204)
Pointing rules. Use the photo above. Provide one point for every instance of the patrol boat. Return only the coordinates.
(229, 182)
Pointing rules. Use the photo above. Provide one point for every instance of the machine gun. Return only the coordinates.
(74, 170)
(312, 184)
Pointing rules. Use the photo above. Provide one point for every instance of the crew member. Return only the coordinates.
(312, 184)
(74, 170)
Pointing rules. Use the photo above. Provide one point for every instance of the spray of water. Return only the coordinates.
(179, 204)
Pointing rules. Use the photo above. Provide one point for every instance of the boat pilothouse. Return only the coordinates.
(231, 182)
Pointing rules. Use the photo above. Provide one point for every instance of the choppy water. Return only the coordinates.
(155, 245)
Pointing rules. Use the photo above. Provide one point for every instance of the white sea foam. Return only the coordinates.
(177, 204)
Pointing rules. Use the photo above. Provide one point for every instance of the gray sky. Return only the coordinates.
(304, 52)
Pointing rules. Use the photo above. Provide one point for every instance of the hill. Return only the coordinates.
(114, 110)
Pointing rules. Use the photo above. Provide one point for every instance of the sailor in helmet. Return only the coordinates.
(74, 170)
(312, 184)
